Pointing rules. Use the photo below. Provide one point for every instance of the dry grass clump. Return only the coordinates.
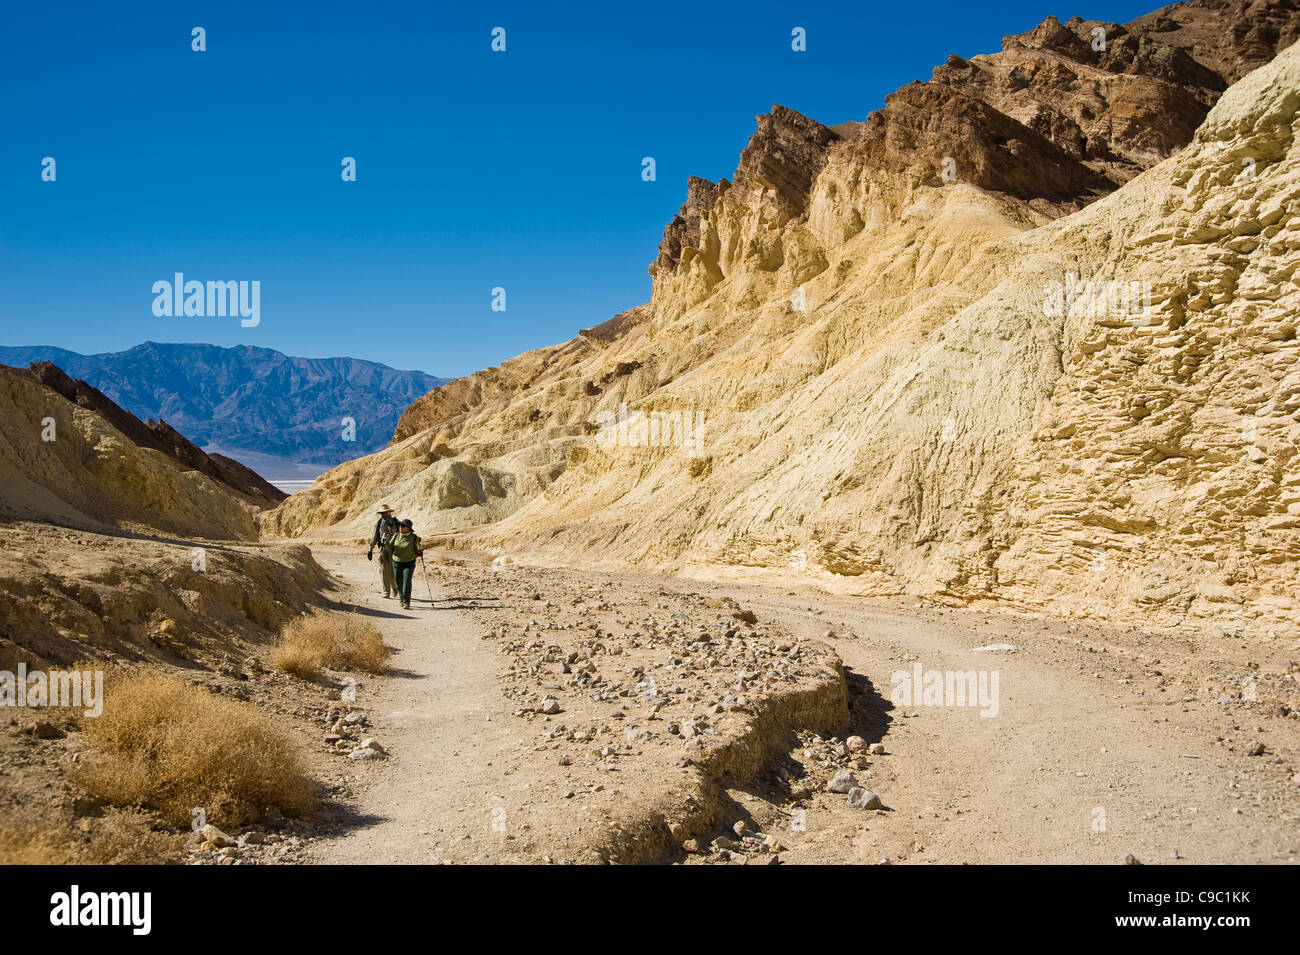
(315, 641)
(116, 838)
(303, 650)
(163, 744)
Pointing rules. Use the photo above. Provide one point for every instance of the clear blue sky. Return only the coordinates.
(475, 169)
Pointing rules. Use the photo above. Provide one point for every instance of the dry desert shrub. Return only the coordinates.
(163, 744)
(116, 838)
(315, 641)
(305, 647)
(364, 648)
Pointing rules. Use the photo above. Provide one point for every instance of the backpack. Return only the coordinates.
(385, 528)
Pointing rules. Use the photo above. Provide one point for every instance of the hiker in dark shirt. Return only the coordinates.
(385, 528)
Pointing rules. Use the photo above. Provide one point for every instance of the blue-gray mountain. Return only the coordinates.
(249, 402)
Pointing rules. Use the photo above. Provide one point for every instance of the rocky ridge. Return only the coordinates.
(66, 463)
(245, 483)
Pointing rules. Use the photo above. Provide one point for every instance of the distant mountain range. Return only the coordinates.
(272, 411)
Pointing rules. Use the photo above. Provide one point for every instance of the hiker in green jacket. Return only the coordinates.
(405, 548)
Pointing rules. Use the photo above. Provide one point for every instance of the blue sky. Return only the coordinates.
(475, 169)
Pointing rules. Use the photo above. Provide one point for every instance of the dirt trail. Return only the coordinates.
(1104, 742)
(1092, 754)
(440, 715)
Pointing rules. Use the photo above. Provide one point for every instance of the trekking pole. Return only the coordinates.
(428, 586)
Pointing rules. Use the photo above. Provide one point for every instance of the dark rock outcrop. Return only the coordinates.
(785, 155)
(684, 229)
(1064, 114)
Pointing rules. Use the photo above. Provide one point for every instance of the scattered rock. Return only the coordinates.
(860, 798)
(842, 782)
(213, 835)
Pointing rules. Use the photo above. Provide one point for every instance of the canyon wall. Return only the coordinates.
(1026, 335)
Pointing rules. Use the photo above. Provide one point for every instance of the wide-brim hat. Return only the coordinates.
(385, 510)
